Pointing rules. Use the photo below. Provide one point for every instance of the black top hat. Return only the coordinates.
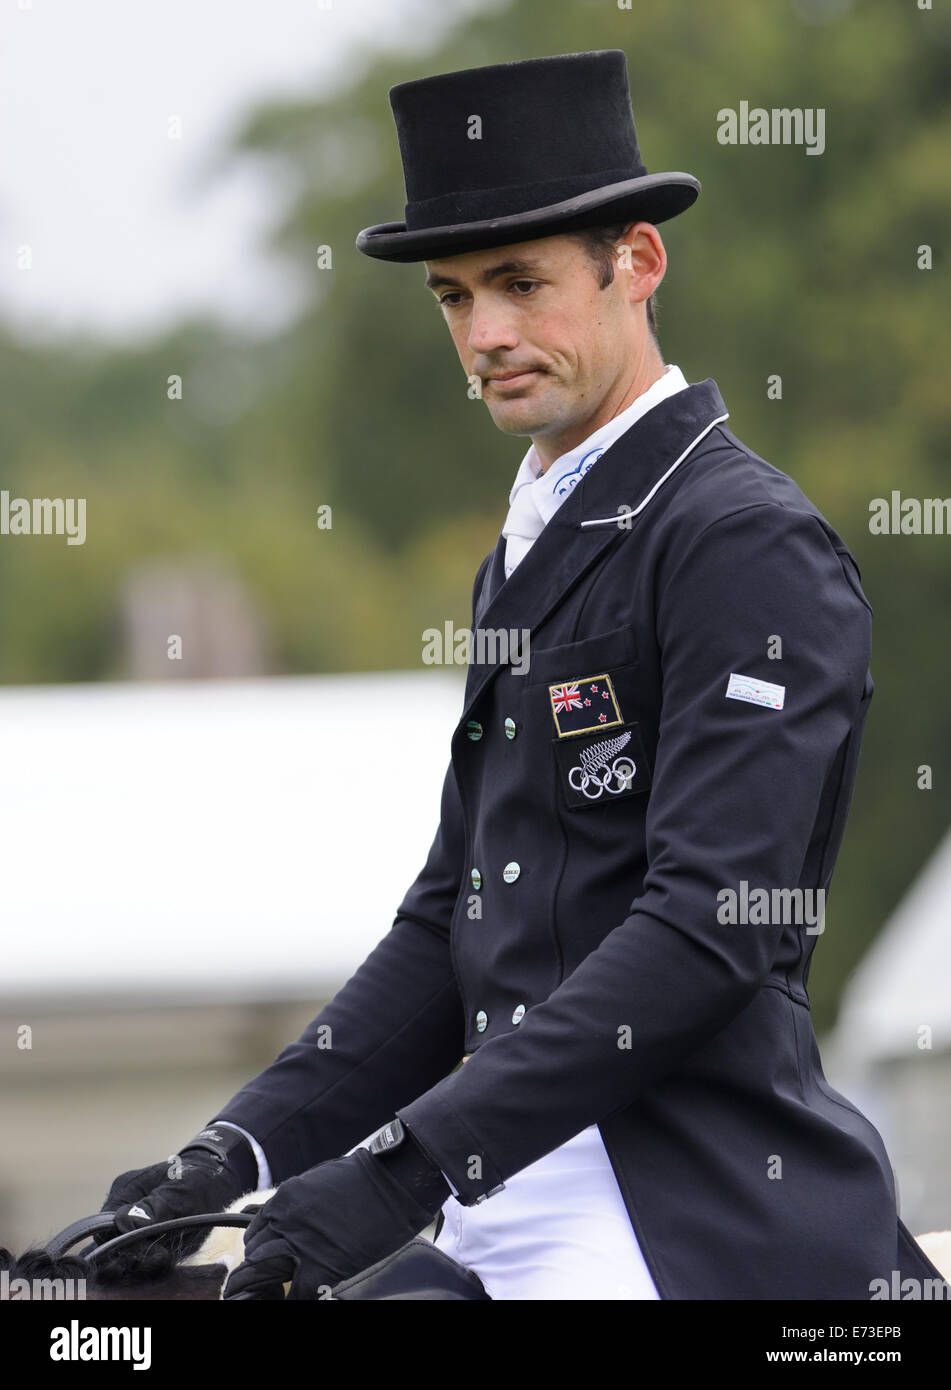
(518, 151)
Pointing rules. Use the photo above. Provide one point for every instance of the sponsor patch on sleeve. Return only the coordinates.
(755, 691)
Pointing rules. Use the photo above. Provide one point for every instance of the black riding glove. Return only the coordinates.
(211, 1170)
(339, 1218)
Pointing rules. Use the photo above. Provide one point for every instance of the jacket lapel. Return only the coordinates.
(625, 478)
(494, 579)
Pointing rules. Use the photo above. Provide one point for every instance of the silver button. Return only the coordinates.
(519, 1014)
(476, 879)
(482, 1021)
(510, 729)
(511, 872)
(474, 730)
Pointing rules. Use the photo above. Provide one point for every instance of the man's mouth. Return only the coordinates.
(512, 378)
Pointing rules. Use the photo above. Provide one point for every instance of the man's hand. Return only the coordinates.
(337, 1219)
(208, 1174)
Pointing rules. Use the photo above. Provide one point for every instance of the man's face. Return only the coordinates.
(534, 313)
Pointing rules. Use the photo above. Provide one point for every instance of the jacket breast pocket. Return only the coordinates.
(599, 652)
(585, 694)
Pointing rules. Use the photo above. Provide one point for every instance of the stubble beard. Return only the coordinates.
(527, 415)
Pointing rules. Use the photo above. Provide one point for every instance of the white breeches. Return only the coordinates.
(558, 1230)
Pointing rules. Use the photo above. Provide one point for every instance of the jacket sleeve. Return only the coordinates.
(735, 791)
(392, 1031)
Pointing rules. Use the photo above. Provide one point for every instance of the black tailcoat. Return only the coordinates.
(569, 929)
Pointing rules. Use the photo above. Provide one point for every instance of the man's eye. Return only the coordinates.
(450, 300)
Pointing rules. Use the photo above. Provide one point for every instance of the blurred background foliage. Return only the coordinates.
(791, 264)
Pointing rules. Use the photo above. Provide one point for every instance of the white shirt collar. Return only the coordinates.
(549, 489)
(536, 496)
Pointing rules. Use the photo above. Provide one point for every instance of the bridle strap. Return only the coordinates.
(85, 1226)
(90, 1225)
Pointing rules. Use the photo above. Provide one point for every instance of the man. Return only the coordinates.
(641, 814)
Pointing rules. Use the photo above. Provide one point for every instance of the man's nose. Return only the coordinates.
(491, 328)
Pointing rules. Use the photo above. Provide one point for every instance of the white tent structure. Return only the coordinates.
(190, 870)
(890, 1051)
(213, 839)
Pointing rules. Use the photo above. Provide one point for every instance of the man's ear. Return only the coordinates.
(640, 252)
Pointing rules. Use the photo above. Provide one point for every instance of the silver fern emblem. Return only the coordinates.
(598, 754)
(597, 770)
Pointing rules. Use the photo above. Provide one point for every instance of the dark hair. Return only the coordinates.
(601, 246)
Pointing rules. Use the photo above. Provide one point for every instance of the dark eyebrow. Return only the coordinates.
(492, 272)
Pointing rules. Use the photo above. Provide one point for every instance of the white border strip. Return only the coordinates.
(622, 516)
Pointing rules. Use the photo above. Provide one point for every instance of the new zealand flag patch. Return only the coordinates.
(603, 769)
(583, 705)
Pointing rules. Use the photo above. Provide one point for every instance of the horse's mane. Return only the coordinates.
(146, 1271)
(174, 1266)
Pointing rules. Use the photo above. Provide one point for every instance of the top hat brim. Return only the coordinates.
(647, 198)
